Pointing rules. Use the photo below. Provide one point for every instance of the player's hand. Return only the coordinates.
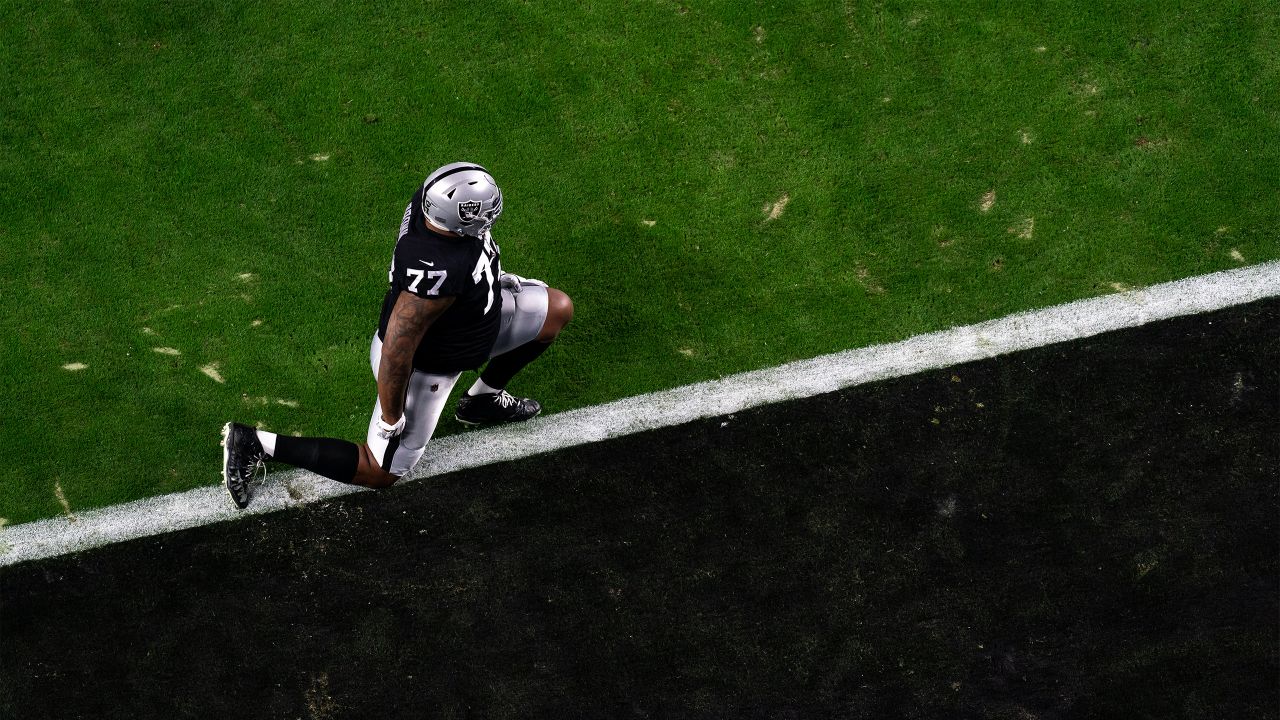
(512, 282)
(386, 431)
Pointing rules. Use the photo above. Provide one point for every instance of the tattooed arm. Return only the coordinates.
(409, 321)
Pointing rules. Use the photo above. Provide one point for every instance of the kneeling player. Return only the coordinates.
(449, 308)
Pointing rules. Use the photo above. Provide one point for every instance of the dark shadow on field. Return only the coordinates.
(1079, 531)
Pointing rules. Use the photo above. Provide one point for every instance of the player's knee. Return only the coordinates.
(559, 311)
(379, 479)
(370, 474)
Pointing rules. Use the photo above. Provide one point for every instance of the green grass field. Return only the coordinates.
(719, 185)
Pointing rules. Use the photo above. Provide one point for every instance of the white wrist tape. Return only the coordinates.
(512, 282)
(386, 432)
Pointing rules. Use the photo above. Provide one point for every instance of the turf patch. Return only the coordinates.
(227, 182)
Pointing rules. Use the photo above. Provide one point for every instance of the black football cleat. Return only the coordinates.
(495, 409)
(242, 457)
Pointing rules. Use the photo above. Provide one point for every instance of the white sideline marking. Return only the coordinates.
(805, 378)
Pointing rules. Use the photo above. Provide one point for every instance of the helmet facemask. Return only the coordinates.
(490, 216)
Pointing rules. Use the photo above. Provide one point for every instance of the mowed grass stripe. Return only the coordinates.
(1080, 319)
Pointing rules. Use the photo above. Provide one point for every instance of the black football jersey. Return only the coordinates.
(432, 265)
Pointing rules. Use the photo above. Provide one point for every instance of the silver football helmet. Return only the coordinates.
(463, 198)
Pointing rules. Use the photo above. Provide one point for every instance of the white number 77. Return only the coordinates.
(416, 274)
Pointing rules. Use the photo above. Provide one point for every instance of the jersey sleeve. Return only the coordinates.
(418, 270)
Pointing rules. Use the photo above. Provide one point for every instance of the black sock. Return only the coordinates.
(504, 367)
(334, 459)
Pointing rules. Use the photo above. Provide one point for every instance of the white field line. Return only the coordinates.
(805, 378)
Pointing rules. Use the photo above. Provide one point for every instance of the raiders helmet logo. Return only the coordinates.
(469, 210)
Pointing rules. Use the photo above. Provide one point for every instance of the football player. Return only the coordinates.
(449, 308)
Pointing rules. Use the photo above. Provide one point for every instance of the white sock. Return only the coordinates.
(268, 440)
(480, 388)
